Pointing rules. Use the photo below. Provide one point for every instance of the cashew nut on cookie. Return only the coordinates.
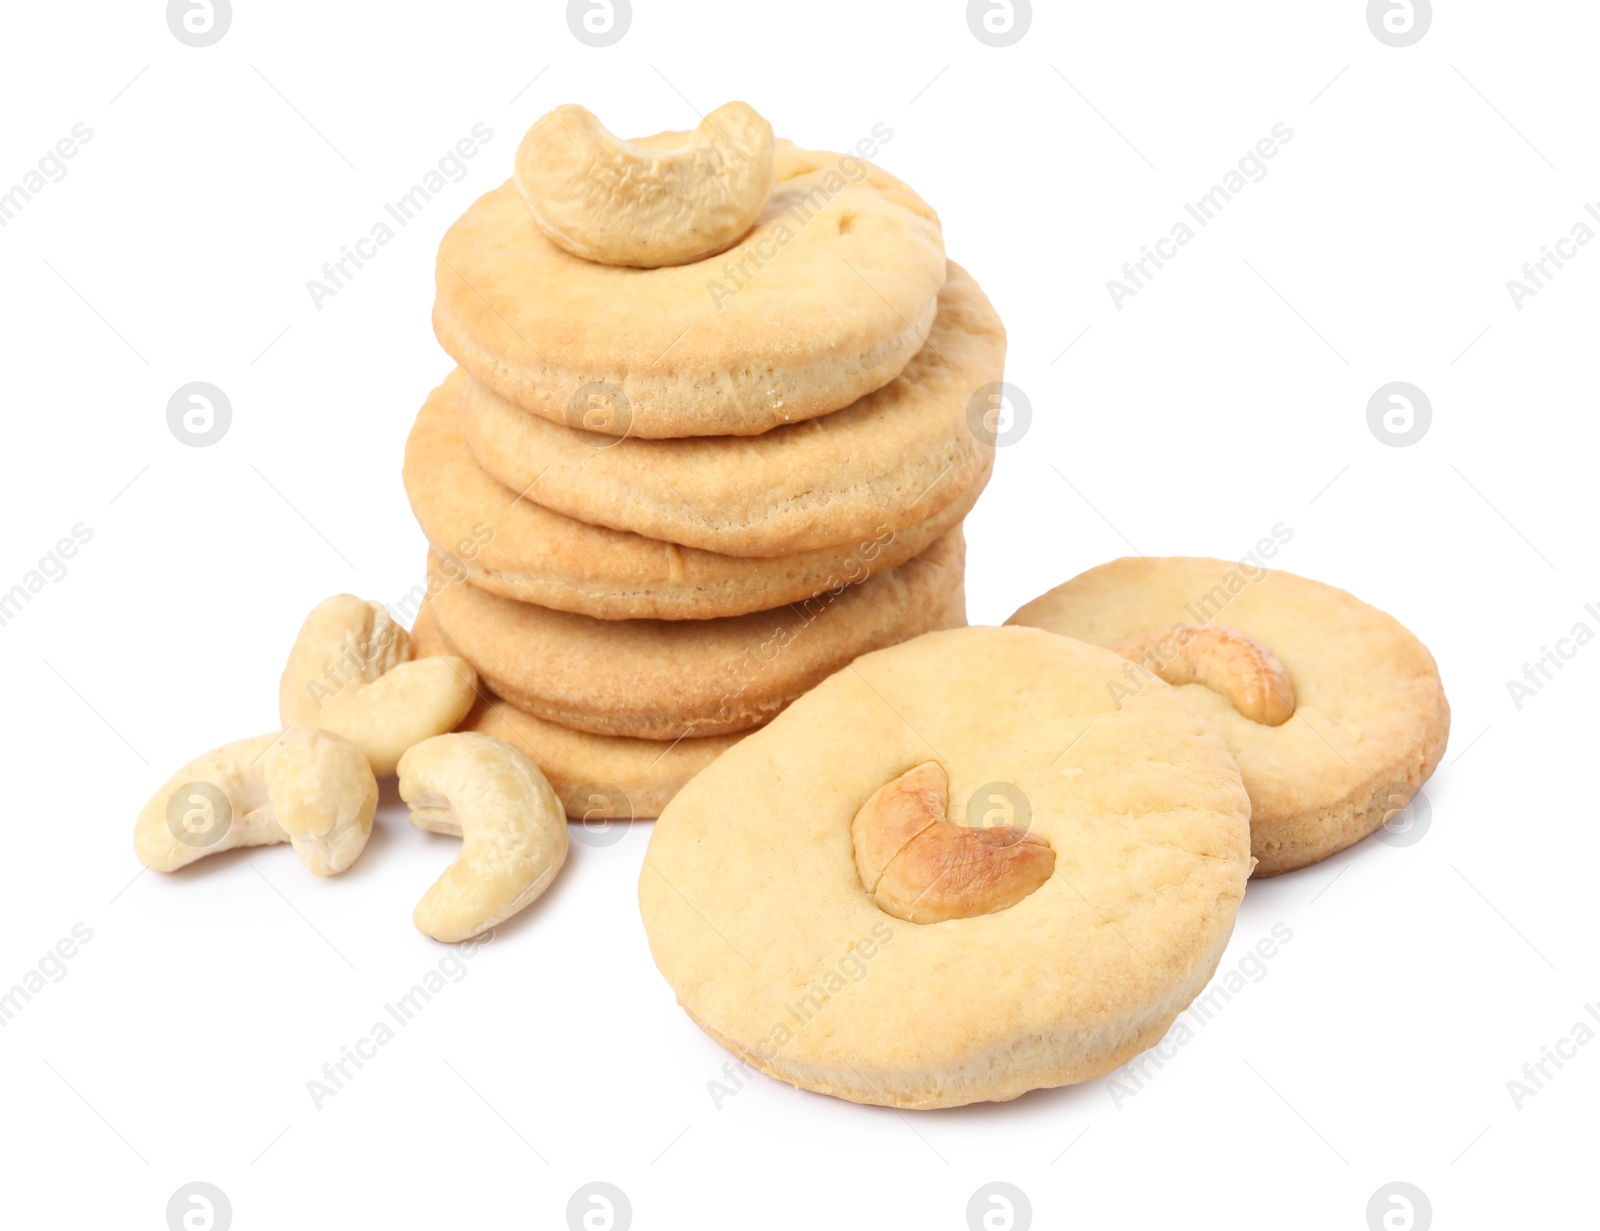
(621, 203)
(920, 868)
(1223, 659)
(305, 786)
(351, 672)
(513, 830)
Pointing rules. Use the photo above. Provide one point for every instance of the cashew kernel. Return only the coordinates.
(1223, 659)
(621, 203)
(919, 867)
(513, 830)
(304, 786)
(351, 672)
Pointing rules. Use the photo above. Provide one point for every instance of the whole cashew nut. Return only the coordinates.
(920, 868)
(351, 672)
(1223, 659)
(612, 201)
(513, 830)
(305, 786)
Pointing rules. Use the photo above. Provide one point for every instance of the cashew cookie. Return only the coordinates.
(954, 871)
(602, 779)
(668, 679)
(826, 298)
(1335, 712)
(535, 555)
(901, 455)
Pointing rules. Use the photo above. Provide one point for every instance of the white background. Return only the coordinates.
(1228, 396)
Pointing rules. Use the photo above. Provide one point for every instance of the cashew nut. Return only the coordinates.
(350, 672)
(1223, 659)
(305, 786)
(920, 868)
(513, 830)
(624, 203)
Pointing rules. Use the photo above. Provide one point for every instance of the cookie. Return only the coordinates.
(518, 549)
(598, 778)
(899, 455)
(662, 679)
(826, 299)
(1361, 714)
(1131, 825)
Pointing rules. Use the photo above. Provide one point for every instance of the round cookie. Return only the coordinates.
(1369, 720)
(825, 300)
(899, 455)
(597, 777)
(758, 916)
(664, 679)
(518, 549)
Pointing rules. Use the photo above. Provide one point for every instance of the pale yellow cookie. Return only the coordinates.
(758, 914)
(823, 301)
(516, 548)
(1361, 719)
(598, 778)
(662, 679)
(899, 456)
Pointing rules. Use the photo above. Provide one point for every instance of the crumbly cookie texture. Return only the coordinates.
(1369, 710)
(666, 679)
(899, 455)
(598, 778)
(757, 916)
(513, 547)
(823, 301)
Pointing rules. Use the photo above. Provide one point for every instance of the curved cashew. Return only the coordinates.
(920, 868)
(1224, 660)
(608, 200)
(303, 785)
(350, 672)
(512, 827)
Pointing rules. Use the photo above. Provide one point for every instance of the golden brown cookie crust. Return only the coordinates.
(585, 768)
(826, 299)
(899, 455)
(758, 919)
(520, 550)
(664, 679)
(1370, 708)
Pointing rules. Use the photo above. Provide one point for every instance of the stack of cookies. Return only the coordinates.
(708, 442)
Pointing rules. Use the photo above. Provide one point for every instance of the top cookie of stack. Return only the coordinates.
(702, 375)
